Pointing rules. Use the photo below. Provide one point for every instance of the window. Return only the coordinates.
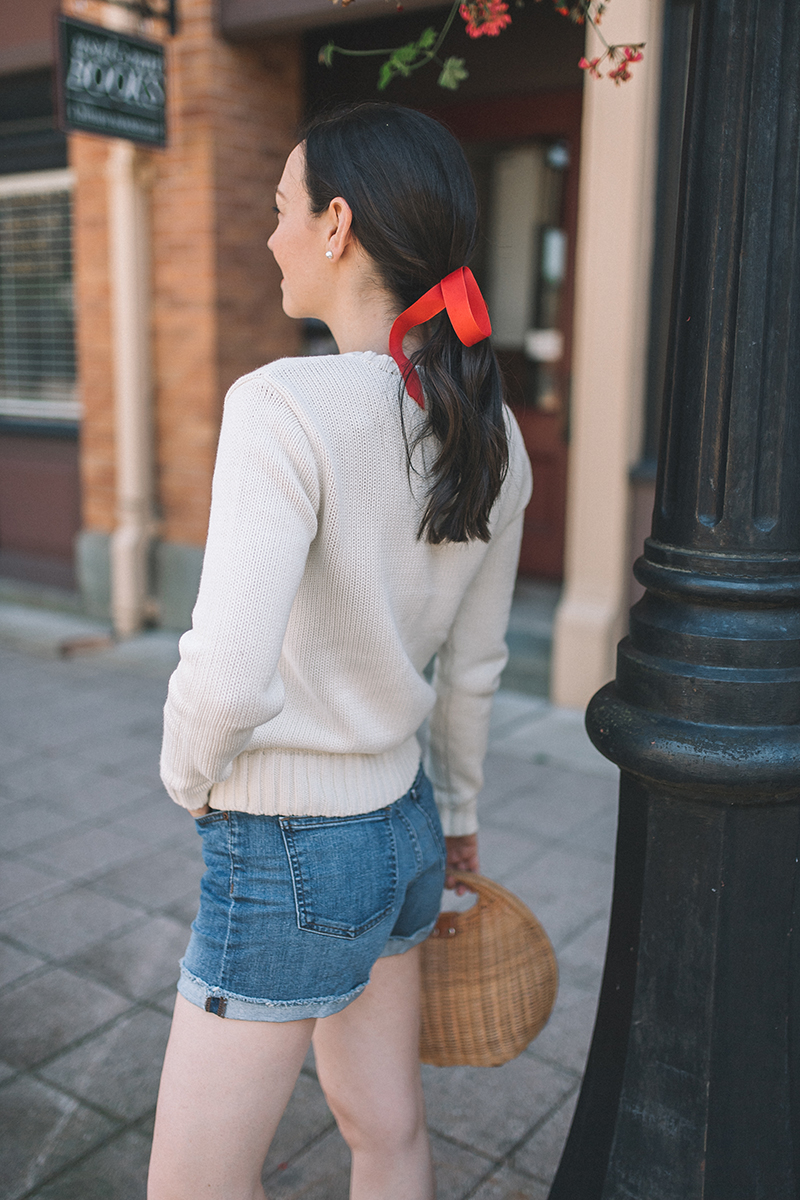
(37, 338)
(29, 139)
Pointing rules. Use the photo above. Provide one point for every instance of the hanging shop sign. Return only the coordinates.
(111, 83)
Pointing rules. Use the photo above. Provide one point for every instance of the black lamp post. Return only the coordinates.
(692, 1086)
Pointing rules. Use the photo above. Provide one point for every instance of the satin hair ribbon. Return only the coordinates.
(460, 295)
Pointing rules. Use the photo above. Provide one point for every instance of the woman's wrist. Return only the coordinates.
(462, 855)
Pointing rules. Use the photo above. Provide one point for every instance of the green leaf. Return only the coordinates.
(404, 54)
(385, 75)
(407, 58)
(325, 56)
(452, 74)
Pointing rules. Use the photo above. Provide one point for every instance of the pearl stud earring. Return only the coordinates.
(329, 254)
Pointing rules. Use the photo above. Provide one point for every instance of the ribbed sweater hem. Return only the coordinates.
(298, 784)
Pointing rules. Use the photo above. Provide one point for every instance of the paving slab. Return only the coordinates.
(21, 881)
(67, 778)
(87, 853)
(165, 1001)
(503, 777)
(26, 824)
(117, 1171)
(506, 1184)
(511, 710)
(458, 1169)
(184, 910)
(306, 1119)
(563, 890)
(504, 851)
(157, 821)
(117, 1069)
(597, 836)
(63, 924)
(540, 1154)
(141, 963)
(41, 631)
(558, 737)
(583, 956)
(42, 1016)
(11, 751)
(566, 1036)
(157, 879)
(15, 963)
(320, 1172)
(554, 803)
(41, 1131)
(490, 1109)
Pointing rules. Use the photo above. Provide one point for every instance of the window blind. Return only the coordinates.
(37, 335)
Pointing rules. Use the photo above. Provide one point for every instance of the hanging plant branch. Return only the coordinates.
(485, 18)
(403, 60)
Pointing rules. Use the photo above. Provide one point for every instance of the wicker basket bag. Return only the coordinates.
(489, 980)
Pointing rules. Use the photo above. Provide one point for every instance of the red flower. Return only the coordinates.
(586, 64)
(485, 17)
(621, 73)
(632, 53)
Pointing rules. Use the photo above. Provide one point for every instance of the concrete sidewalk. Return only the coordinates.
(98, 886)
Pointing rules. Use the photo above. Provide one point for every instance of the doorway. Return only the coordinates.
(524, 153)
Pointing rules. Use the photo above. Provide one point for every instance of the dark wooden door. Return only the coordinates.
(39, 507)
(538, 390)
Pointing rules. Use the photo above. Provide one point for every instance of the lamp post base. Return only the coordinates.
(692, 1088)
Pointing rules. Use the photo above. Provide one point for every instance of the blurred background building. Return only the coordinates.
(136, 285)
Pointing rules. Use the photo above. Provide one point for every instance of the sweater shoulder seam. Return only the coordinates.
(294, 407)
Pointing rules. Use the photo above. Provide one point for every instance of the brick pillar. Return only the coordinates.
(92, 290)
(216, 311)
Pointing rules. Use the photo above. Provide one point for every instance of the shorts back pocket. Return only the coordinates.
(344, 871)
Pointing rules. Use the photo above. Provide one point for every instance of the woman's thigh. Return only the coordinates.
(224, 1087)
(368, 1054)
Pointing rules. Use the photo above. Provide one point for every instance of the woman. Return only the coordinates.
(353, 535)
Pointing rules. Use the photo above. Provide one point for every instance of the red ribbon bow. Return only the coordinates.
(460, 295)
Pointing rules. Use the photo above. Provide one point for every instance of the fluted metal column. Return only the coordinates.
(692, 1087)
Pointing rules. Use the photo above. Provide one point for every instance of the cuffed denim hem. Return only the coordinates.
(399, 945)
(244, 1008)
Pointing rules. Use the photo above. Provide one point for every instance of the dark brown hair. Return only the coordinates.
(415, 213)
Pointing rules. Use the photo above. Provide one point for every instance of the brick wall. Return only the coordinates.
(216, 301)
(87, 156)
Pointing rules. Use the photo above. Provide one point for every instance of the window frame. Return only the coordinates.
(37, 183)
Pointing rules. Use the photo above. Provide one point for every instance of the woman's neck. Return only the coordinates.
(361, 322)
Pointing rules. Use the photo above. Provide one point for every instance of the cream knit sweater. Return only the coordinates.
(300, 688)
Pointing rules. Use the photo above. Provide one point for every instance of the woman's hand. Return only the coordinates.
(462, 855)
(200, 812)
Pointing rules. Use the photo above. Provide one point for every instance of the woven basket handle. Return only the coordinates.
(448, 923)
(487, 891)
(483, 888)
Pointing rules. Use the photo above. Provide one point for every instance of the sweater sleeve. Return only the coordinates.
(265, 499)
(467, 673)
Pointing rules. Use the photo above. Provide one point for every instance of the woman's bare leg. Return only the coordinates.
(368, 1064)
(224, 1087)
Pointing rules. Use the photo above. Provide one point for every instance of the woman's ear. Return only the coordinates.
(340, 221)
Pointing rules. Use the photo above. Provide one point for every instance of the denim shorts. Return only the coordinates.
(294, 911)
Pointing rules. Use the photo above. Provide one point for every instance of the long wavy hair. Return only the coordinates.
(415, 213)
